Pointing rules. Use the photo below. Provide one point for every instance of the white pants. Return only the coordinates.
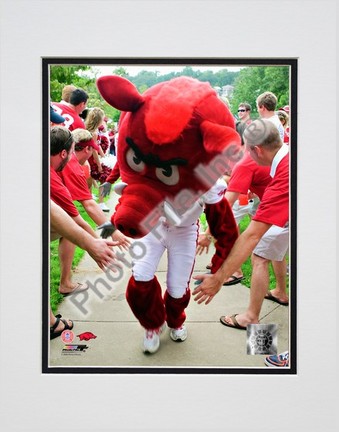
(181, 243)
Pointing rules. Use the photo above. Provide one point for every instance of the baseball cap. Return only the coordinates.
(55, 117)
(89, 143)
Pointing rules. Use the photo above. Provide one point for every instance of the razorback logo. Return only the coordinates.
(86, 336)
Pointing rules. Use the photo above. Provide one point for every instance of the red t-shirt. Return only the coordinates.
(248, 175)
(74, 179)
(60, 194)
(274, 206)
(73, 120)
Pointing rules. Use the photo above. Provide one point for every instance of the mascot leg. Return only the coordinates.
(223, 228)
(175, 309)
(181, 258)
(146, 302)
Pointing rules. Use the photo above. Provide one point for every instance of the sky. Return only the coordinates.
(162, 69)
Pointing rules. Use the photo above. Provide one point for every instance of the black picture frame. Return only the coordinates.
(293, 65)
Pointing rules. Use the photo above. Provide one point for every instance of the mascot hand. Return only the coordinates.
(119, 187)
(107, 229)
(105, 189)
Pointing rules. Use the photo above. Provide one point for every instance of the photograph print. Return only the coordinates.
(169, 215)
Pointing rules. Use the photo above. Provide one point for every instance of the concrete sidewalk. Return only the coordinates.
(104, 311)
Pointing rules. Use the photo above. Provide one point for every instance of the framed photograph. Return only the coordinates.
(45, 389)
(94, 329)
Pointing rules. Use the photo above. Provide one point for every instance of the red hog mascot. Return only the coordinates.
(175, 142)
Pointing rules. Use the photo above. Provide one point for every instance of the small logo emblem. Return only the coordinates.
(67, 336)
(262, 339)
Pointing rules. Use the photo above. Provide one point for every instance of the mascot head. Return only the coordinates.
(175, 140)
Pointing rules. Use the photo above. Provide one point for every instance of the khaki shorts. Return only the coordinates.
(273, 245)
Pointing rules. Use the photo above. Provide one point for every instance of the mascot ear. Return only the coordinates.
(119, 93)
(215, 136)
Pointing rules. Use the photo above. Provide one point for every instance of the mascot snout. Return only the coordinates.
(135, 217)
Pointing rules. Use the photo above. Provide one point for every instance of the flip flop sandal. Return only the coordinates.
(234, 324)
(54, 334)
(271, 297)
(235, 280)
(79, 288)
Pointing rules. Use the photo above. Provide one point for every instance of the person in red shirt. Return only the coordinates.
(247, 178)
(66, 93)
(74, 178)
(71, 111)
(248, 175)
(264, 145)
(61, 150)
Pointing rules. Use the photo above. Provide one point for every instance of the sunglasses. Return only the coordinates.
(241, 110)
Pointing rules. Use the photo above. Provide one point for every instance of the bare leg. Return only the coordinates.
(280, 271)
(238, 273)
(259, 287)
(66, 255)
(90, 183)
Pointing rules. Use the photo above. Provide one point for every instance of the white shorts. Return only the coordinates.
(273, 245)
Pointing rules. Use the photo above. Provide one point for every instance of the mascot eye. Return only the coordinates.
(134, 162)
(168, 175)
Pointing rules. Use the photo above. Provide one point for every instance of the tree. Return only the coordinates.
(82, 77)
(64, 75)
(121, 71)
(145, 79)
(254, 80)
(225, 77)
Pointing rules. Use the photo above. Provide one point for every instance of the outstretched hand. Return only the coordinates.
(121, 240)
(101, 251)
(209, 287)
(203, 245)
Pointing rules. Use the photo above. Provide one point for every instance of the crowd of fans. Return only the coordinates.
(83, 149)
